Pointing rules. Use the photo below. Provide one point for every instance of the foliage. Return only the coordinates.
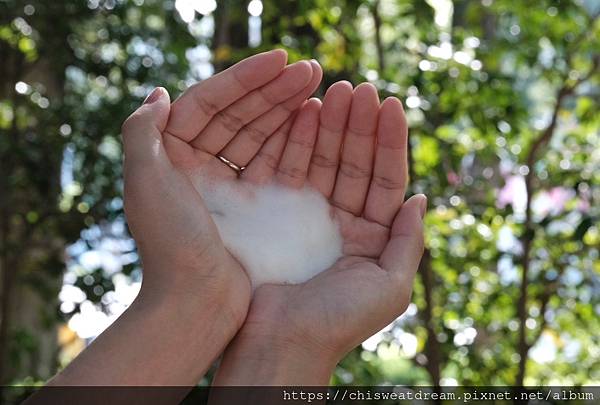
(502, 98)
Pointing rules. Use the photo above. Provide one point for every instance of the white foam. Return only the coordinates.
(280, 235)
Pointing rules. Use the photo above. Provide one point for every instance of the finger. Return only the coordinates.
(390, 172)
(263, 166)
(293, 167)
(250, 138)
(142, 130)
(226, 123)
(192, 111)
(403, 252)
(332, 122)
(356, 163)
(147, 169)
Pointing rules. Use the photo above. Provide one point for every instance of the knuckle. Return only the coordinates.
(353, 170)
(267, 98)
(346, 207)
(324, 161)
(389, 183)
(230, 121)
(293, 172)
(270, 160)
(361, 132)
(257, 136)
(239, 81)
(302, 143)
(207, 107)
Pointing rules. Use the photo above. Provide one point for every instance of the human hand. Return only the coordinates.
(297, 333)
(194, 294)
(230, 114)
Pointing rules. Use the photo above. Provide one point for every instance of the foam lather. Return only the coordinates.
(280, 235)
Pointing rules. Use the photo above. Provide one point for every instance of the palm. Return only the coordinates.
(324, 309)
(230, 114)
(362, 238)
(362, 291)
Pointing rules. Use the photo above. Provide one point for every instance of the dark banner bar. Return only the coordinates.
(298, 395)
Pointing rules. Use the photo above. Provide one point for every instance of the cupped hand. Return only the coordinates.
(232, 114)
(194, 295)
(353, 150)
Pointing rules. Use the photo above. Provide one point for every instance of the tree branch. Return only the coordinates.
(432, 345)
(538, 144)
(378, 40)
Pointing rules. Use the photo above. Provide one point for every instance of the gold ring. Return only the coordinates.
(232, 166)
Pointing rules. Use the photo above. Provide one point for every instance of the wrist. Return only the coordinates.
(163, 338)
(274, 359)
(223, 295)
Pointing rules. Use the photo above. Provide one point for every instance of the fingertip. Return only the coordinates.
(365, 94)
(303, 65)
(391, 107)
(302, 70)
(392, 102)
(400, 103)
(278, 51)
(165, 97)
(367, 89)
(158, 94)
(279, 55)
(336, 105)
(293, 103)
(309, 111)
(342, 86)
(411, 214)
(308, 114)
(314, 102)
(153, 111)
(406, 246)
(315, 65)
(422, 201)
(339, 91)
(417, 205)
(142, 130)
(268, 64)
(339, 94)
(317, 71)
(416, 200)
(364, 109)
(392, 120)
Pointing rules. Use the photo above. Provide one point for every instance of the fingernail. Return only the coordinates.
(277, 50)
(314, 60)
(300, 62)
(423, 205)
(153, 96)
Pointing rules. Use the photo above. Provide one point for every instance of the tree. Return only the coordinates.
(66, 87)
(502, 98)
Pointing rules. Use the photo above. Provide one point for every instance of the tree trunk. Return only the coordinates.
(378, 40)
(231, 32)
(432, 346)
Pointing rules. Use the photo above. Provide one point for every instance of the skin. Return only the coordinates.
(353, 150)
(194, 295)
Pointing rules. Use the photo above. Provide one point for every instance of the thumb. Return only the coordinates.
(142, 130)
(403, 252)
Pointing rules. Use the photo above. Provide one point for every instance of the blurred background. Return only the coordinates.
(502, 99)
